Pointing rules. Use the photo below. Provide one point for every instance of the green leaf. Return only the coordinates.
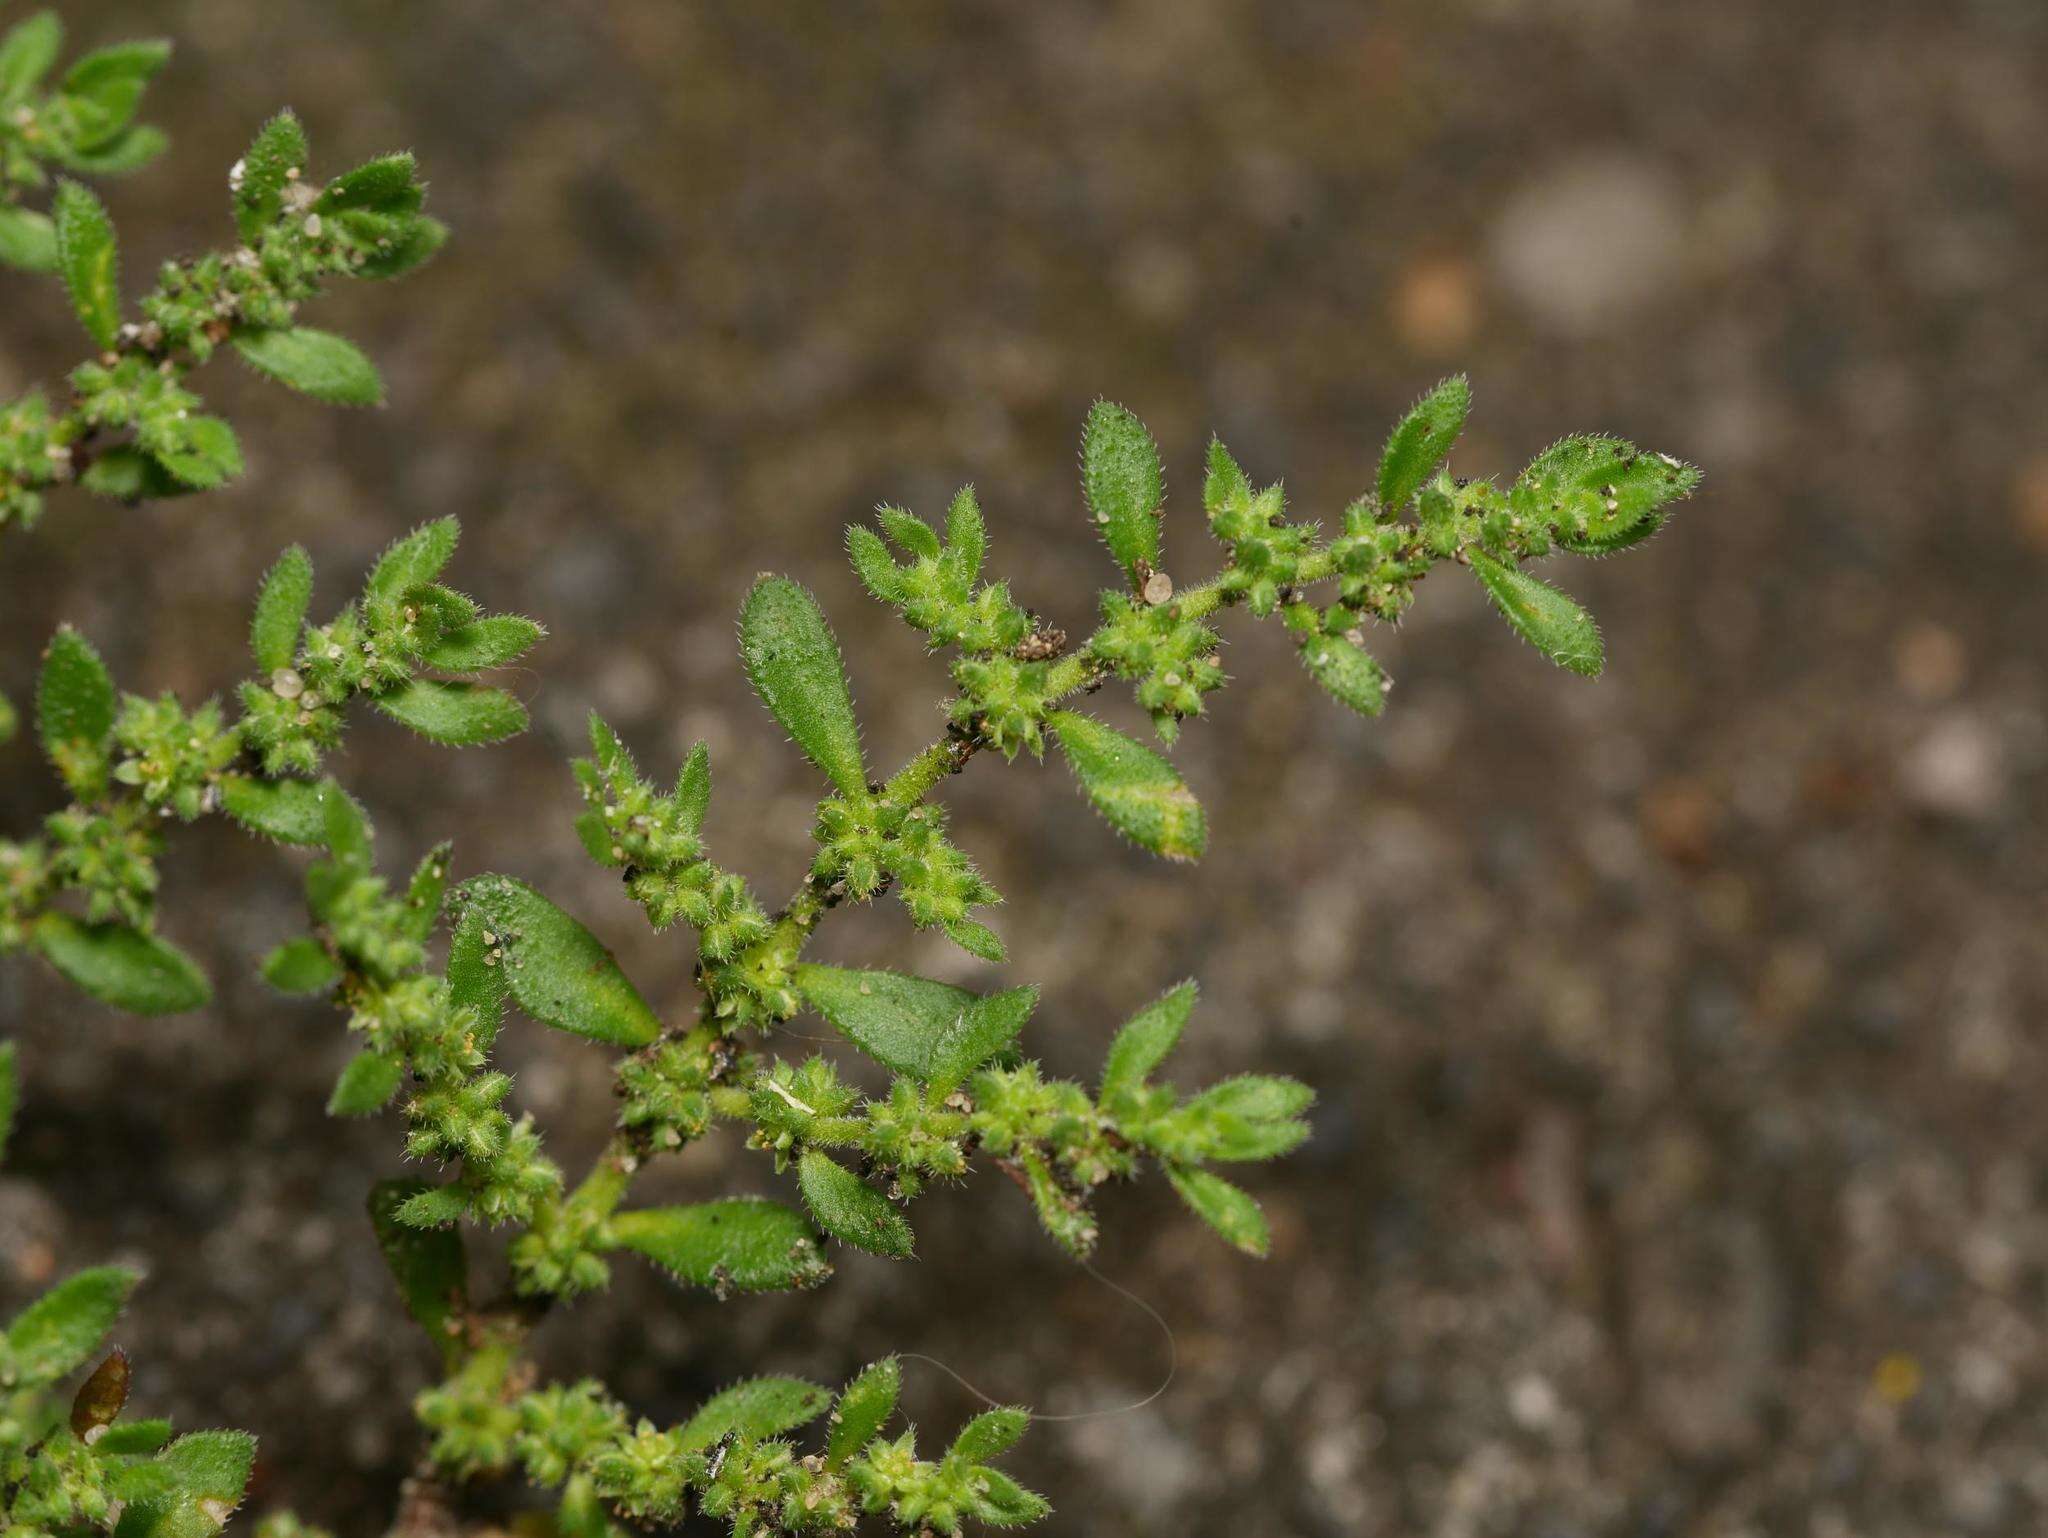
(1600, 494)
(415, 559)
(260, 177)
(316, 363)
(415, 246)
(1424, 436)
(872, 563)
(429, 1264)
(129, 150)
(301, 966)
(212, 1466)
(693, 788)
(1347, 672)
(990, 1434)
(26, 54)
(386, 184)
(490, 642)
(426, 892)
(1139, 792)
(863, 1409)
(10, 1095)
(999, 1501)
(105, 87)
(851, 1210)
(281, 610)
(201, 451)
(366, 1085)
(132, 1438)
(28, 240)
(1225, 1208)
(966, 534)
(555, 969)
(977, 939)
(745, 1245)
(896, 1020)
(1143, 1041)
(984, 1028)
(89, 258)
(1542, 616)
(75, 711)
(143, 974)
(455, 715)
(475, 980)
(758, 1408)
(127, 474)
(290, 811)
(434, 1207)
(795, 667)
(1123, 485)
(57, 1332)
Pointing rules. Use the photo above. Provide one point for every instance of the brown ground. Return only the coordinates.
(1679, 1163)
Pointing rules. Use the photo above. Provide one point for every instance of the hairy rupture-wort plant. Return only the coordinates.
(82, 892)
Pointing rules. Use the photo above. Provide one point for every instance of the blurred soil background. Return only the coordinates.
(1679, 1166)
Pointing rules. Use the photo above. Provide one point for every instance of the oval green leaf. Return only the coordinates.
(317, 363)
(851, 1210)
(143, 974)
(1123, 485)
(796, 668)
(555, 969)
(745, 1245)
(1542, 616)
(1140, 793)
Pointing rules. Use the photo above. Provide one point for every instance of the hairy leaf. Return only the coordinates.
(57, 1332)
(795, 666)
(456, 715)
(317, 363)
(759, 1407)
(896, 1020)
(1144, 1040)
(202, 452)
(260, 177)
(1421, 440)
(1123, 485)
(26, 54)
(386, 183)
(1139, 792)
(415, 559)
(1542, 616)
(105, 88)
(1225, 1208)
(990, 1434)
(981, 1030)
(366, 1085)
(211, 1466)
(301, 966)
(490, 642)
(28, 240)
(291, 811)
(851, 1210)
(281, 610)
(143, 974)
(745, 1245)
(75, 711)
(1602, 494)
(1348, 673)
(863, 1409)
(555, 969)
(89, 258)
